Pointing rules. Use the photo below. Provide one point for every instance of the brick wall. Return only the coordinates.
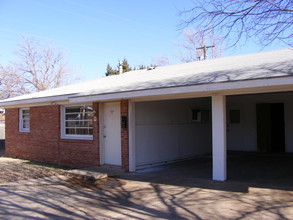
(43, 142)
(125, 136)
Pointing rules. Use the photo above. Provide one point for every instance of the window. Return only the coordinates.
(77, 122)
(24, 120)
(199, 115)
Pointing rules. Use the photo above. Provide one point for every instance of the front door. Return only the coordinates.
(112, 134)
(270, 127)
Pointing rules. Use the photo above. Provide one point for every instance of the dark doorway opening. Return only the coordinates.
(270, 127)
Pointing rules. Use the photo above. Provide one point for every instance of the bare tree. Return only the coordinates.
(161, 60)
(41, 67)
(10, 83)
(38, 68)
(267, 20)
(195, 41)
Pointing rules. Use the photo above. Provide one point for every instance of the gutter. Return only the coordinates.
(49, 100)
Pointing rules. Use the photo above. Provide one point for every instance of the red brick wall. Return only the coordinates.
(125, 136)
(43, 142)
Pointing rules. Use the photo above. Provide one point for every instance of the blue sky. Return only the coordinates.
(93, 33)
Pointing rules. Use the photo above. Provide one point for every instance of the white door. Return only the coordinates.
(112, 134)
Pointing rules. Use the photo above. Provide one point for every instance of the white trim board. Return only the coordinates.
(280, 84)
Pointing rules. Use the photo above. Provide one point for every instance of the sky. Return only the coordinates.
(93, 33)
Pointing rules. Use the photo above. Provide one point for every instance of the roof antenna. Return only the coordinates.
(204, 48)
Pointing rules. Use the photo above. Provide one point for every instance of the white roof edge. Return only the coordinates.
(36, 100)
(223, 87)
(202, 88)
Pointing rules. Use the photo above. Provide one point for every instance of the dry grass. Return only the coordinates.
(15, 169)
(12, 170)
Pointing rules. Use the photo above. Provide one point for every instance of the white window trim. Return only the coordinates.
(62, 127)
(21, 128)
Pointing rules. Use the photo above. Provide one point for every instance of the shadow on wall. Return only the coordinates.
(2, 147)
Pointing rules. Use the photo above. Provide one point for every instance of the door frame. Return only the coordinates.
(101, 133)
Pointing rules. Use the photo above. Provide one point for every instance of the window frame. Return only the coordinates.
(21, 120)
(63, 121)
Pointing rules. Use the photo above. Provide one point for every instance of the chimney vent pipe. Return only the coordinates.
(120, 67)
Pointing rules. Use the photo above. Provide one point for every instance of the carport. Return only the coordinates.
(180, 129)
(260, 122)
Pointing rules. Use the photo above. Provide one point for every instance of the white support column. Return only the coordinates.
(219, 137)
(132, 162)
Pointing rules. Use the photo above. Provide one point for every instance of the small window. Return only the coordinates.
(77, 122)
(234, 116)
(24, 120)
(196, 115)
(199, 115)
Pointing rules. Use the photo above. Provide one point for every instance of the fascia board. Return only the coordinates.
(226, 88)
(35, 101)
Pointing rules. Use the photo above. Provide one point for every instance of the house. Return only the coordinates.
(147, 117)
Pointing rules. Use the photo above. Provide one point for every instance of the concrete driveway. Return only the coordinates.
(142, 200)
(145, 195)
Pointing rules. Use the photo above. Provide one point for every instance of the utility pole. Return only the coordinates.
(204, 48)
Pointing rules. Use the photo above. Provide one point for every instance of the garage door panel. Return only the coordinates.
(165, 130)
(155, 143)
(161, 143)
(194, 139)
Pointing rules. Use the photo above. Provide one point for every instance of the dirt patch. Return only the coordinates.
(15, 170)
(102, 184)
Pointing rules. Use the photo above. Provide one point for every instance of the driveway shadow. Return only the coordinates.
(244, 170)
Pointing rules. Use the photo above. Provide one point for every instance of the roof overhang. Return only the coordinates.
(52, 100)
(266, 85)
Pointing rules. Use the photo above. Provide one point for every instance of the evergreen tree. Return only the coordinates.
(125, 68)
(111, 71)
(141, 67)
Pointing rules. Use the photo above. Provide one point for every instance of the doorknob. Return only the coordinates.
(104, 136)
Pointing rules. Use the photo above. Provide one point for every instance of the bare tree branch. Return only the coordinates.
(193, 39)
(38, 68)
(161, 60)
(266, 20)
